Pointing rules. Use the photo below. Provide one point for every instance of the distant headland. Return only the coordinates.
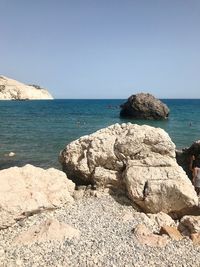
(13, 90)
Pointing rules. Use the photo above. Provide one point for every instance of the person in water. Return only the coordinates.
(195, 168)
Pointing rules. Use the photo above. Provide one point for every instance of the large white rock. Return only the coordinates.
(13, 90)
(140, 159)
(28, 190)
(159, 188)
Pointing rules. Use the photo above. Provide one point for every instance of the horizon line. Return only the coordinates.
(177, 98)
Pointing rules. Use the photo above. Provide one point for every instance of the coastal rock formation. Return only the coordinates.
(159, 186)
(137, 159)
(144, 106)
(13, 90)
(28, 190)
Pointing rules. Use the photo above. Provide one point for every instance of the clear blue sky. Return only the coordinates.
(103, 48)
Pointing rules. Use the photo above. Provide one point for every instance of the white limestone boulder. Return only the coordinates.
(13, 90)
(159, 188)
(93, 159)
(138, 159)
(28, 190)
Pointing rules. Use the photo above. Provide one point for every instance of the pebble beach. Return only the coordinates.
(105, 223)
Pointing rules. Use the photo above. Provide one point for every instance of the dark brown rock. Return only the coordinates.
(144, 106)
(192, 223)
(184, 156)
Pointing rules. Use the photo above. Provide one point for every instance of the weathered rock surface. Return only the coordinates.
(28, 190)
(51, 229)
(13, 90)
(160, 188)
(139, 159)
(144, 106)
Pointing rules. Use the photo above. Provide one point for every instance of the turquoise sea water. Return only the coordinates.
(37, 130)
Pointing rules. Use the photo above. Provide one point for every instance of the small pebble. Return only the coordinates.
(11, 154)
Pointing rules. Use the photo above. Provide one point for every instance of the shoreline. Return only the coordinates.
(117, 220)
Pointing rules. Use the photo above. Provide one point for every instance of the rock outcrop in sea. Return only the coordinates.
(13, 90)
(144, 106)
(139, 160)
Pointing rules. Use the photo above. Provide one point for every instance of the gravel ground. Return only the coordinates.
(106, 240)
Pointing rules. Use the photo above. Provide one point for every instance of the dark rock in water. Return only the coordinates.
(144, 106)
(184, 157)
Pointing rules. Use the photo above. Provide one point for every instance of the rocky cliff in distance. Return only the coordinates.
(13, 90)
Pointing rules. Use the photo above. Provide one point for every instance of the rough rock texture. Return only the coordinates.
(51, 229)
(160, 188)
(28, 190)
(144, 106)
(139, 159)
(13, 90)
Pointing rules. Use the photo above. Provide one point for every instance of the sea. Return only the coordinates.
(36, 131)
